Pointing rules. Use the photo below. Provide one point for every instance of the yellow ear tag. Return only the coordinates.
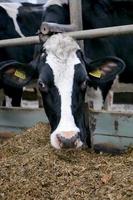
(97, 73)
(20, 74)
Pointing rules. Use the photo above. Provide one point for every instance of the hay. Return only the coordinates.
(32, 170)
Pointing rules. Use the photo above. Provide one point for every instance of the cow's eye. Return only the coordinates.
(83, 85)
(42, 86)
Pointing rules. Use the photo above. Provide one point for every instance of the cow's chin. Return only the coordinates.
(56, 142)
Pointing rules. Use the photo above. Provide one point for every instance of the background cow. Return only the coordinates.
(107, 13)
(18, 20)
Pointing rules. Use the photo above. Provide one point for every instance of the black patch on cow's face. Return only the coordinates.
(51, 97)
(52, 106)
(78, 99)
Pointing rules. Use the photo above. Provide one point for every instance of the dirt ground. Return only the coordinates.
(30, 169)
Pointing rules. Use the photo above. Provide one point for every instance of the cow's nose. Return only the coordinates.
(69, 140)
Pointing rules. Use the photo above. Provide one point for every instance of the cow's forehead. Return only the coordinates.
(62, 58)
(61, 46)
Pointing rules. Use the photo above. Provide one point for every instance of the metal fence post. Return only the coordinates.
(75, 7)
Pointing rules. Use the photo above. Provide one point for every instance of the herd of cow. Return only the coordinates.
(62, 70)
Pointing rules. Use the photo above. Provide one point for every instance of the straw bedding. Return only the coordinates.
(30, 169)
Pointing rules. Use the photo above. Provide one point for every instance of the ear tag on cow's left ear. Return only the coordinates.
(96, 73)
(20, 74)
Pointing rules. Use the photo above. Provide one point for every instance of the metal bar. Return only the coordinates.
(79, 35)
(48, 27)
(102, 32)
(76, 13)
(75, 8)
(20, 41)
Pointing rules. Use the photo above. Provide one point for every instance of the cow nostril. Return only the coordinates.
(72, 142)
(59, 138)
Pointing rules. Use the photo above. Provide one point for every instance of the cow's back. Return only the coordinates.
(19, 20)
(106, 13)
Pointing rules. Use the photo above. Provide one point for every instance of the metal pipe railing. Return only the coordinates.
(79, 35)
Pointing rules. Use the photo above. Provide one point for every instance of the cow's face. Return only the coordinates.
(62, 77)
(62, 82)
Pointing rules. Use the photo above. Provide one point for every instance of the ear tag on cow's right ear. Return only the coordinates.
(96, 73)
(20, 74)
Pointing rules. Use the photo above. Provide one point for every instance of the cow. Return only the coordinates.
(18, 20)
(63, 74)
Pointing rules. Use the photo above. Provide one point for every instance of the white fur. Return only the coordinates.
(12, 11)
(8, 101)
(55, 2)
(94, 98)
(32, 1)
(62, 58)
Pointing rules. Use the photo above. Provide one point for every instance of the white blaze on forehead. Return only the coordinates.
(55, 2)
(61, 57)
(12, 11)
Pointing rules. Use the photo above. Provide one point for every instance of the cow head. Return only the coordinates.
(62, 77)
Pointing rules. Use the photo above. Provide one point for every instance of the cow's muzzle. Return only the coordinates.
(67, 140)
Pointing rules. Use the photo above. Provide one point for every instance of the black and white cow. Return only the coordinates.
(18, 20)
(63, 74)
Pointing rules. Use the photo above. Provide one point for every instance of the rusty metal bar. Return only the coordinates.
(79, 35)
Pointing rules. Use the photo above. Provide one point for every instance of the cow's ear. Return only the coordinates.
(16, 74)
(105, 69)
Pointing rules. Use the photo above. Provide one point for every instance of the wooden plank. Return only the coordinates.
(111, 144)
(121, 87)
(16, 119)
(111, 131)
(120, 97)
(111, 123)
